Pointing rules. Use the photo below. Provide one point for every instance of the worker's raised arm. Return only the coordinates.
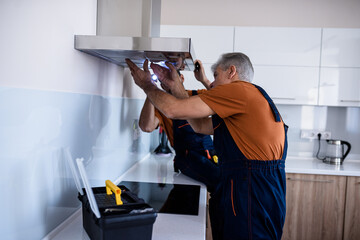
(188, 108)
(148, 122)
(200, 75)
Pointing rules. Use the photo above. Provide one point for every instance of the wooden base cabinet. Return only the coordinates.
(352, 209)
(315, 207)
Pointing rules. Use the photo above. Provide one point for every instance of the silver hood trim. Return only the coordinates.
(116, 49)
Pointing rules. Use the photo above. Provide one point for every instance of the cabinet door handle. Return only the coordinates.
(309, 180)
(284, 98)
(349, 100)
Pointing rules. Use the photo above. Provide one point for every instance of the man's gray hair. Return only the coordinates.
(242, 63)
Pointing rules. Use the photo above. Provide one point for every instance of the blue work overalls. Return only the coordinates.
(249, 201)
(193, 154)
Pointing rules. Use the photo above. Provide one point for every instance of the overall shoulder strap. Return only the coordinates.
(271, 103)
(276, 116)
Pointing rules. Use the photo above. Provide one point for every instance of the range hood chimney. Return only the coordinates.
(131, 29)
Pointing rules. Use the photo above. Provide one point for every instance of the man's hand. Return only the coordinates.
(170, 79)
(142, 78)
(200, 75)
(167, 76)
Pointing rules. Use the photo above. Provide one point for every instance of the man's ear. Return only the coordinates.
(232, 71)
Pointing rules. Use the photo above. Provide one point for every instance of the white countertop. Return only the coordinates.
(154, 168)
(314, 166)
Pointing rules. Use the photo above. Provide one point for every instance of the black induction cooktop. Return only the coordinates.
(166, 197)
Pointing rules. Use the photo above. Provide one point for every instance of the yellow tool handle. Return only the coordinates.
(215, 158)
(111, 187)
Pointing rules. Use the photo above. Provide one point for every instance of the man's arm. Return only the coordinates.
(172, 107)
(193, 109)
(202, 125)
(199, 125)
(200, 75)
(148, 122)
(176, 108)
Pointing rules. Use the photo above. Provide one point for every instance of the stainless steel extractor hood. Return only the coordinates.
(116, 49)
(120, 22)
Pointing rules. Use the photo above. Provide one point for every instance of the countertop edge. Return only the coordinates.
(307, 165)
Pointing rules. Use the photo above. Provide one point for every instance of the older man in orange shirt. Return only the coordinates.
(249, 138)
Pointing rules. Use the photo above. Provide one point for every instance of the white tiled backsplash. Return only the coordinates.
(54, 100)
(342, 122)
(37, 128)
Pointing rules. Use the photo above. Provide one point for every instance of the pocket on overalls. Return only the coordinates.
(232, 197)
(238, 194)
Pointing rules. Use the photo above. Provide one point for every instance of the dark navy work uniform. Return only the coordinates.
(193, 154)
(249, 201)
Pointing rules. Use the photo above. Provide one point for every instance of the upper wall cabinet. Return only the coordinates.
(340, 47)
(339, 87)
(279, 46)
(209, 41)
(288, 84)
(340, 67)
(286, 61)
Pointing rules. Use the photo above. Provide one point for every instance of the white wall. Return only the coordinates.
(55, 100)
(275, 13)
(37, 50)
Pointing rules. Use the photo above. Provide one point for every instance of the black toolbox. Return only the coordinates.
(133, 220)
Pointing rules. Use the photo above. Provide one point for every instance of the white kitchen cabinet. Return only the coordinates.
(279, 46)
(209, 41)
(309, 66)
(289, 85)
(340, 47)
(339, 87)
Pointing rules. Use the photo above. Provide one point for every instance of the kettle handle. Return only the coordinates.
(348, 147)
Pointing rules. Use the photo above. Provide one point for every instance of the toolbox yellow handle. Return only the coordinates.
(117, 191)
(215, 158)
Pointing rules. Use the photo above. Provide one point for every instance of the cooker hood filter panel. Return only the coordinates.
(117, 49)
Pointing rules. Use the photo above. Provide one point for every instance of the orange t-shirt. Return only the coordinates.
(249, 119)
(167, 123)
